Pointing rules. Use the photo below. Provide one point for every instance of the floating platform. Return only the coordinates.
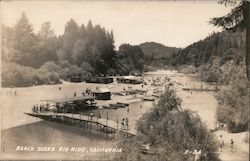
(102, 124)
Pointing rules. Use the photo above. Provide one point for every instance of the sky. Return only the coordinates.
(172, 23)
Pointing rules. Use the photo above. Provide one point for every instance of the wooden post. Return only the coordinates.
(107, 118)
(80, 116)
(127, 124)
(117, 122)
(106, 131)
(72, 116)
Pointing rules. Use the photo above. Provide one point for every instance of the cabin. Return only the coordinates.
(136, 73)
(76, 78)
(101, 80)
(102, 94)
(130, 80)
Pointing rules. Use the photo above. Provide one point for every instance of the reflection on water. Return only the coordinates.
(45, 133)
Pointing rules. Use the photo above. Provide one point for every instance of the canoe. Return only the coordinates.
(148, 98)
(155, 95)
(109, 107)
(117, 105)
(120, 103)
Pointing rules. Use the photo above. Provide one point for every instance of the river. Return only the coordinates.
(18, 129)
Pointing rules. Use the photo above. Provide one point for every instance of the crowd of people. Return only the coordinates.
(40, 108)
(11, 93)
(124, 124)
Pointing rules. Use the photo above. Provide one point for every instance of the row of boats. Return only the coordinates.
(123, 105)
(116, 105)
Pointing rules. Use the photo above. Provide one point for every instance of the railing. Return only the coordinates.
(84, 117)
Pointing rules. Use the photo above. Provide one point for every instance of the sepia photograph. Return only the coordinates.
(125, 80)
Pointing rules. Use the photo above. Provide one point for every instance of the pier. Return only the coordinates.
(107, 126)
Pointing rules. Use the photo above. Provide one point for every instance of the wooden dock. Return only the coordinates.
(83, 121)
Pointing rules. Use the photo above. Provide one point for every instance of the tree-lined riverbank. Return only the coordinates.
(204, 103)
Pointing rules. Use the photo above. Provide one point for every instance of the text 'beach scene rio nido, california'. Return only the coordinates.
(125, 80)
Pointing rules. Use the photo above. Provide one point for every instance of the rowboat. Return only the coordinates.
(148, 98)
(120, 103)
(117, 105)
(109, 107)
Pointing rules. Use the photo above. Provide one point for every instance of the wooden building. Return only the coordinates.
(101, 80)
(102, 94)
(130, 80)
(76, 78)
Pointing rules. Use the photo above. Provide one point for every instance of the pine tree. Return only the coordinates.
(237, 19)
(24, 42)
(47, 44)
(46, 33)
(70, 37)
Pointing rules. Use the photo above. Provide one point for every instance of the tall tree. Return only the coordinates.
(7, 41)
(70, 37)
(237, 19)
(82, 32)
(47, 44)
(169, 133)
(24, 42)
(46, 33)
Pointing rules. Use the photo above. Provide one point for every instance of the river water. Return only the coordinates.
(19, 129)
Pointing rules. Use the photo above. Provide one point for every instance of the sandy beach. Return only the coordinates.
(15, 124)
(205, 104)
(20, 129)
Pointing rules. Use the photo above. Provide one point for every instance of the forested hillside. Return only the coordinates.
(157, 54)
(220, 58)
(225, 45)
(43, 58)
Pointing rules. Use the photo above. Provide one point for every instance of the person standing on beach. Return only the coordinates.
(91, 115)
(37, 108)
(221, 143)
(122, 123)
(34, 109)
(126, 123)
(231, 145)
